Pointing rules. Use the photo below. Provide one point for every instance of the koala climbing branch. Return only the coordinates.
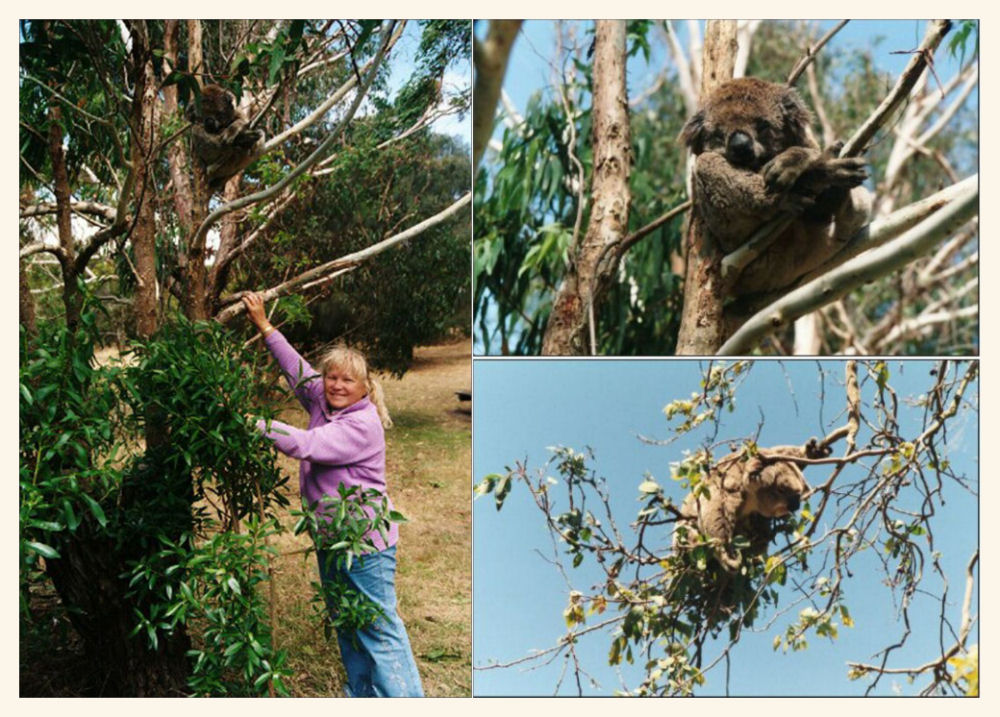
(318, 153)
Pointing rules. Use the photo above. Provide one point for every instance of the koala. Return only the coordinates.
(744, 494)
(756, 157)
(221, 137)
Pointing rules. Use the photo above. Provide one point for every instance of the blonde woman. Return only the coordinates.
(345, 444)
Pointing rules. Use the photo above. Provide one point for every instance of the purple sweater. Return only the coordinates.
(345, 446)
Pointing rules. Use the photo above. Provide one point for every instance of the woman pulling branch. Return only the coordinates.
(344, 445)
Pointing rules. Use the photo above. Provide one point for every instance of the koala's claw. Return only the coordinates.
(781, 173)
(848, 172)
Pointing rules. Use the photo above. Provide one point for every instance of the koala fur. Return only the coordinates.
(221, 137)
(755, 156)
(743, 495)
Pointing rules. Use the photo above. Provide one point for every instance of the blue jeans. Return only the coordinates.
(377, 658)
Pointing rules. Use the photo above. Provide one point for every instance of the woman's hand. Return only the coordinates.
(255, 311)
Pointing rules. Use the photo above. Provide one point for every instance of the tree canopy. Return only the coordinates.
(110, 189)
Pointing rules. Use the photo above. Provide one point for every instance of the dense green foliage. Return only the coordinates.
(388, 305)
(186, 514)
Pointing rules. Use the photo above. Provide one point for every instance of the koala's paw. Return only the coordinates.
(781, 173)
(848, 172)
(796, 203)
(815, 450)
(833, 151)
(248, 138)
(729, 558)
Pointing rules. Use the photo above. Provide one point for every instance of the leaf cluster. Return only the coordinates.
(164, 512)
(342, 529)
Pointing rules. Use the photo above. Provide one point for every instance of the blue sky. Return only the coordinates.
(528, 69)
(523, 406)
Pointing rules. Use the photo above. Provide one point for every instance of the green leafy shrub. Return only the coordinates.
(147, 497)
(340, 527)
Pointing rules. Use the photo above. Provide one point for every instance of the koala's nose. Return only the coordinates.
(739, 148)
(793, 503)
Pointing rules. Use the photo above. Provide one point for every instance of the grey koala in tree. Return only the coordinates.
(222, 138)
(755, 157)
(744, 494)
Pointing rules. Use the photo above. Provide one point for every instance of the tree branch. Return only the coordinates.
(854, 273)
(490, 59)
(321, 111)
(80, 207)
(882, 231)
(345, 262)
(811, 53)
(936, 31)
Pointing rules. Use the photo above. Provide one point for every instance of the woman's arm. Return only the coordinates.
(337, 443)
(302, 378)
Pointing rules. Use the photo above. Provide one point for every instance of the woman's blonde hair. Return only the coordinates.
(351, 361)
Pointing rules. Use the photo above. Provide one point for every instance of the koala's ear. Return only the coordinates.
(753, 467)
(796, 117)
(693, 134)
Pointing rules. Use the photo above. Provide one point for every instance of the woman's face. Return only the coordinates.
(341, 388)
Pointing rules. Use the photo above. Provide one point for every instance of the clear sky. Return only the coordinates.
(523, 406)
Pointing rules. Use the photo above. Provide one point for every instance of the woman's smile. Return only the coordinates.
(342, 389)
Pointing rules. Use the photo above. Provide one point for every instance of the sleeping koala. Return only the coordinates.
(756, 157)
(743, 495)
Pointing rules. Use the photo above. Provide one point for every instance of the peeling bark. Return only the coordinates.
(596, 259)
(178, 160)
(143, 140)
